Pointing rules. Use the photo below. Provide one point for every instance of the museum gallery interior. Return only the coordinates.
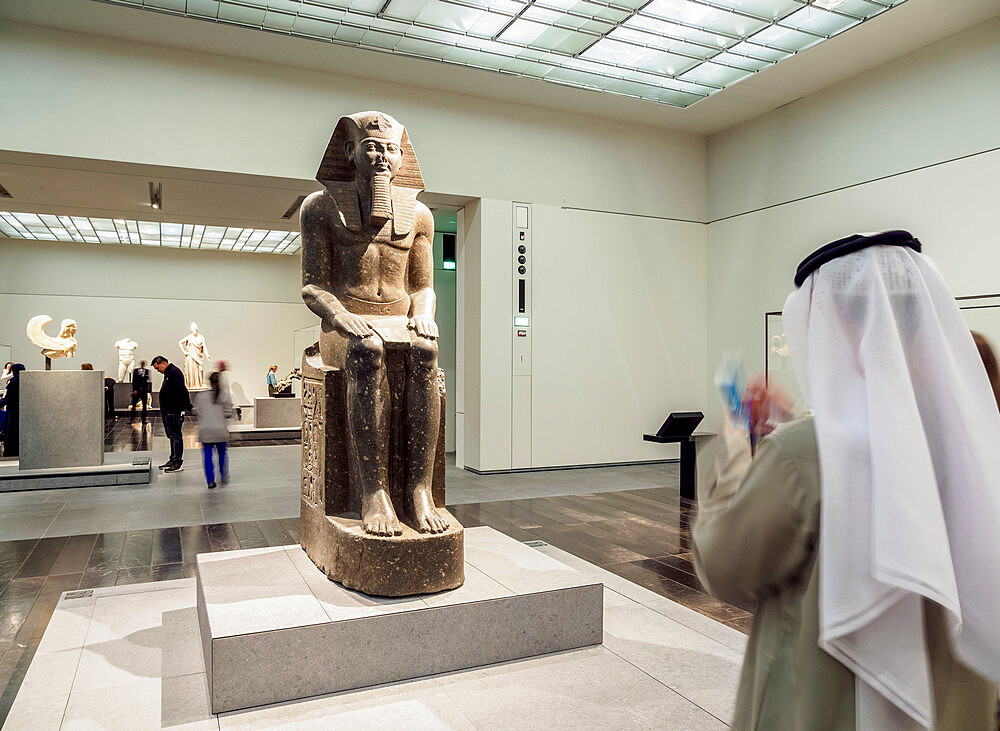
(488, 364)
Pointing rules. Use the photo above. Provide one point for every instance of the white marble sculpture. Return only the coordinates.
(195, 355)
(52, 347)
(126, 358)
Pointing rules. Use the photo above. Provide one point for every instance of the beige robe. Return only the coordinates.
(756, 540)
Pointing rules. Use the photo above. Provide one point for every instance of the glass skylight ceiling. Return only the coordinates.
(146, 233)
(674, 52)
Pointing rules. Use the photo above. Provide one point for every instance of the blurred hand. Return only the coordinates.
(351, 324)
(770, 406)
(424, 326)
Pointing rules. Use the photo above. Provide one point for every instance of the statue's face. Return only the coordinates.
(375, 156)
(70, 329)
(194, 328)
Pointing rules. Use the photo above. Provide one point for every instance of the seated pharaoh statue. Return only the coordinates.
(373, 512)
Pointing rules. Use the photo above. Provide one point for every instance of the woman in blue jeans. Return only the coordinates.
(213, 408)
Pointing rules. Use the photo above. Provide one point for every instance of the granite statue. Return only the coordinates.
(372, 381)
(126, 358)
(195, 354)
(52, 347)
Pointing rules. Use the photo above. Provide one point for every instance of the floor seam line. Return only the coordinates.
(672, 690)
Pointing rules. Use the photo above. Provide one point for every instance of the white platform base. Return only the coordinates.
(13, 479)
(275, 628)
(129, 657)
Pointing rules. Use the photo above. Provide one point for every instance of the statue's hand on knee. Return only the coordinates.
(424, 326)
(351, 324)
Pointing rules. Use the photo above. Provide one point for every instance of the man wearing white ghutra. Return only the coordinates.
(869, 533)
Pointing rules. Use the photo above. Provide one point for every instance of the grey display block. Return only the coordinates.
(274, 628)
(271, 412)
(12, 479)
(62, 419)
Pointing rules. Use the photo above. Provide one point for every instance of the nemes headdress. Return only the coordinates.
(336, 172)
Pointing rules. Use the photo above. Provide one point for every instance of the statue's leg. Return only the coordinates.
(367, 429)
(423, 414)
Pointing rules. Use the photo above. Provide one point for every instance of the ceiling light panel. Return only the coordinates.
(93, 230)
(674, 52)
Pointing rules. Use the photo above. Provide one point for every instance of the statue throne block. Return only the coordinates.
(331, 532)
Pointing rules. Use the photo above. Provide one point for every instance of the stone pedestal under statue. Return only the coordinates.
(62, 419)
(274, 629)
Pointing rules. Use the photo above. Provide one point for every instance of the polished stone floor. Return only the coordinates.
(626, 522)
(130, 657)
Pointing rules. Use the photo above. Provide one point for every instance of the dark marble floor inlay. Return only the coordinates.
(128, 434)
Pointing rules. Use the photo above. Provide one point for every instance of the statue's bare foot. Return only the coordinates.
(426, 516)
(377, 516)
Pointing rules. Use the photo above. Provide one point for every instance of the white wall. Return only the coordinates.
(926, 109)
(618, 333)
(935, 104)
(246, 305)
(621, 343)
(154, 104)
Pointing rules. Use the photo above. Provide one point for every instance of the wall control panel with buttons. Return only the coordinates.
(521, 273)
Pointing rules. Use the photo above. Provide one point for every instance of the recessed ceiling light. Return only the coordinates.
(144, 233)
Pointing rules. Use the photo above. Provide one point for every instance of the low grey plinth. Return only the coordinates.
(123, 395)
(274, 628)
(13, 479)
(62, 419)
(245, 433)
(270, 412)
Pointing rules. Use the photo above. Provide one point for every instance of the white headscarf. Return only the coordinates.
(909, 436)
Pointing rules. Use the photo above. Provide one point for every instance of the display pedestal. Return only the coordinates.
(62, 419)
(271, 412)
(135, 472)
(274, 628)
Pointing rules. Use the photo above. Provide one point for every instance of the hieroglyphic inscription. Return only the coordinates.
(313, 418)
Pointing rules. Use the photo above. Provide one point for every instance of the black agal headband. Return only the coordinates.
(845, 246)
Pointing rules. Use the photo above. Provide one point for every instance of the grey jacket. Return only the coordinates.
(212, 427)
(757, 539)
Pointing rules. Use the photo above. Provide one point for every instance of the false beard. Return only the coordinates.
(381, 198)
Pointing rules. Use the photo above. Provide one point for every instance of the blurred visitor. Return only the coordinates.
(213, 408)
(86, 366)
(5, 376)
(109, 397)
(11, 403)
(868, 534)
(174, 401)
(142, 386)
(272, 380)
